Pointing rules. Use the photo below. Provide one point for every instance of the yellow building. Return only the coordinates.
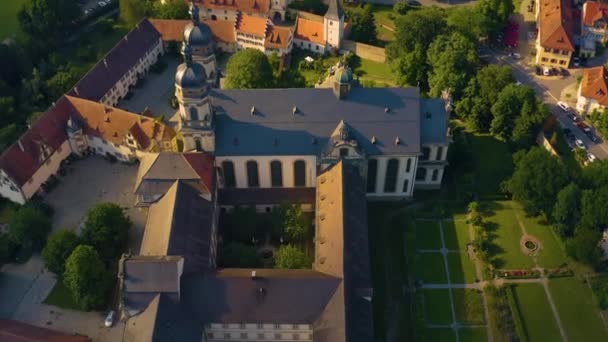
(554, 44)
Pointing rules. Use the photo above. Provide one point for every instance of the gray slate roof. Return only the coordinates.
(434, 121)
(273, 129)
(334, 11)
(151, 274)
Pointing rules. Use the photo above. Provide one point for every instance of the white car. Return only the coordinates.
(101, 3)
(517, 83)
(546, 71)
(109, 321)
(591, 157)
(564, 106)
(580, 144)
(515, 55)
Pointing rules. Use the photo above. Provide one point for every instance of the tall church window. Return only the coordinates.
(229, 179)
(299, 173)
(372, 171)
(253, 178)
(435, 175)
(439, 154)
(276, 173)
(421, 174)
(408, 166)
(193, 114)
(426, 153)
(406, 184)
(199, 144)
(390, 180)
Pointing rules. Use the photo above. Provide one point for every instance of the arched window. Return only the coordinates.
(406, 185)
(253, 179)
(193, 114)
(408, 166)
(372, 171)
(435, 175)
(276, 173)
(390, 180)
(426, 153)
(299, 173)
(228, 169)
(199, 145)
(439, 154)
(421, 174)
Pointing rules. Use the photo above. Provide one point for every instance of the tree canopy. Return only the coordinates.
(237, 254)
(290, 257)
(29, 227)
(537, 179)
(583, 247)
(566, 212)
(106, 228)
(363, 27)
(171, 10)
(86, 277)
(132, 11)
(248, 69)
(58, 248)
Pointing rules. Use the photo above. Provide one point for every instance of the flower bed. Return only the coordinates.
(559, 273)
(517, 274)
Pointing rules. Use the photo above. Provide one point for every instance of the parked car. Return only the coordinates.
(584, 127)
(567, 131)
(576, 61)
(580, 144)
(539, 71)
(517, 83)
(591, 157)
(564, 72)
(564, 106)
(546, 71)
(414, 3)
(593, 137)
(515, 55)
(573, 117)
(109, 321)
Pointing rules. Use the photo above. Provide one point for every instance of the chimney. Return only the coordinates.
(106, 109)
(295, 110)
(105, 62)
(20, 145)
(397, 141)
(252, 110)
(374, 140)
(253, 275)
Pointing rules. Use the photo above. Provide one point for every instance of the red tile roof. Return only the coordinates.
(594, 11)
(310, 30)
(556, 24)
(14, 331)
(246, 6)
(278, 37)
(252, 25)
(173, 29)
(222, 30)
(594, 84)
(116, 63)
(202, 164)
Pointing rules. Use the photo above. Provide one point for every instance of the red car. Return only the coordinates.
(584, 127)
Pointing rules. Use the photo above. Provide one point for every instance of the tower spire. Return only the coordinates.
(334, 11)
(187, 52)
(194, 13)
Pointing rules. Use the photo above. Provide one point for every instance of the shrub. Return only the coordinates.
(29, 227)
(236, 254)
(86, 278)
(290, 257)
(58, 248)
(106, 229)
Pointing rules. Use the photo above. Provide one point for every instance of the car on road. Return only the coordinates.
(567, 132)
(564, 72)
(546, 71)
(593, 137)
(101, 3)
(564, 106)
(414, 3)
(573, 117)
(515, 55)
(576, 61)
(580, 144)
(109, 321)
(584, 127)
(591, 157)
(518, 83)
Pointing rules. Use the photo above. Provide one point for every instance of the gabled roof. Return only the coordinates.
(253, 25)
(114, 124)
(23, 158)
(151, 274)
(15, 331)
(278, 37)
(310, 30)
(116, 63)
(556, 24)
(173, 29)
(246, 6)
(594, 11)
(181, 223)
(594, 84)
(158, 172)
(334, 11)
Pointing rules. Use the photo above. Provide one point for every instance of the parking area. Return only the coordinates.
(155, 92)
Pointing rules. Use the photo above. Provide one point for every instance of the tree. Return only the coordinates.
(7, 248)
(537, 179)
(313, 6)
(290, 257)
(416, 27)
(29, 227)
(594, 215)
(583, 247)
(465, 20)
(363, 25)
(106, 228)
(237, 254)
(401, 7)
(248, 69)
(595, 175)
(63, 81)
(171, 10)
(566, 212)
(58, 248)
(132, 11)
(412, 68)
(474, 216)
(8, 135)
(297, 223)
(453, 61)
(515, 112)
(86, 277)
(242, 224)
(494, 15)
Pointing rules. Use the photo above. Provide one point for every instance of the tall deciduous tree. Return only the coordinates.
(58, 248)
(584, 248)
(45, 21)
(132, 11)
(416, 27)
(566, 212)
(86, 277)
(290, 257)
(363, 25)
(106, 228)
(248, 69)
(236, 254)
(297, 223)
(537, 179)
(176, 9)
(593, 208)
(29, 227)
(494, 15)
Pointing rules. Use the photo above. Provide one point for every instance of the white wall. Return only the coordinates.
(240, 169)
(102, 147)
(402, 176)
(306, 45)
(49, 168)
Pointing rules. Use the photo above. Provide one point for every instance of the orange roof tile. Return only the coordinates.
(278, 37)
(594, 84)
(113, 124)
(594, 11)
(222, 30)
(246, 6)
(556, 25)
(170, 29)
(310, 30)
(252, 25)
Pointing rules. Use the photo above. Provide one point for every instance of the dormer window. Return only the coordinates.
(193, 114)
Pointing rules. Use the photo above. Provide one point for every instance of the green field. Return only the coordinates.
(468, 306)
(576, 309)
(428, 235)
(437, 306)
(462, 269)
(456, 234)
(493, 164)
(62, 297)
(439, 334)
(8, 17)
(473, 334)
(536, 313)
(430, 268)
(508, 234)
(380, 73)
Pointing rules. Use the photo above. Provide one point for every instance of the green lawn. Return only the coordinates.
(468, 306)
(430, 268)
(536, 313)
(576, 309)
(508, 234)
(439, 334)
(8, 17)
(428, 235)
(380, 73)
(462, 269)
(493, 164)
(473, 334)
(60, 296)
(437, 306)
(456, 234)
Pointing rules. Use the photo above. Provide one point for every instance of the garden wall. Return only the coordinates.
(544, 142)
(365, 51)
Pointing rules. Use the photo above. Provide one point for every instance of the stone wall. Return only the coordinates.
(365, 51)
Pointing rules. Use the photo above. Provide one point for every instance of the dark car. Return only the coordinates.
(567, 131)
(584, 127)
(539, 71)
(592, 137)
(564, 72)
(573, 117)
(414, 3)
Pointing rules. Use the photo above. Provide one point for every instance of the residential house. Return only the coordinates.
(593, 90)
(555, 42)
(594, 27)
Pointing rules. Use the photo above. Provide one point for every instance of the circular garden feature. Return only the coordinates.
(530, 245)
